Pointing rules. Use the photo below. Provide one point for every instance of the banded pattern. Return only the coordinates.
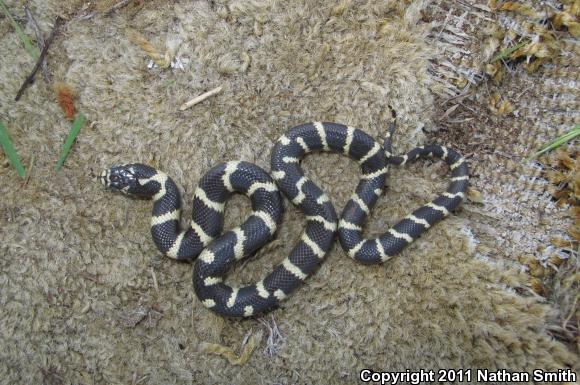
(217, 253)
(381, 249)
(209, 200)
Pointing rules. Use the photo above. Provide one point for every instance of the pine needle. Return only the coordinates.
(10, 151)
(76, 126)
(30, 166)
(557, 142)
(32, 50)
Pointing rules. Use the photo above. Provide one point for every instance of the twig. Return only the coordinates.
(573, 310)
(117, 6)
(448, 112)
(471, 5)
(199, 98)
(460, 96)
(154, 277)
(523, 92)
(39, 40)
(30, 79)
(91, 277)
(275, 338)
(444, 23)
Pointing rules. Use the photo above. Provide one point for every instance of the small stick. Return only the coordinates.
(199, 98)
(154, 277)
(30, 79)
(117, 6)
(39, 40)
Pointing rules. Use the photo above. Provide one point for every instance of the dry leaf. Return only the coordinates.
(339, 9)
(229, 354)
(556, 177)
(474, 195)
(65, 97)
(460, 82)
(539, 50)
(559, 242)
(537, 286)
(574, 232)
(533, 65)
(521, 9)
(449, 112)
(163, 60)
(564, 159)
(555, 260)
(569, 21)
(572, 7)
(499, 106)
(495, 71)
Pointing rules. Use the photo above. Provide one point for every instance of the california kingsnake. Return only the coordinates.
(217, 253)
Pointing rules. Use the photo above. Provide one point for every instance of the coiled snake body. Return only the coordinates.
(216, 251)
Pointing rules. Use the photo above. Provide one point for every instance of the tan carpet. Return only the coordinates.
(85, 297)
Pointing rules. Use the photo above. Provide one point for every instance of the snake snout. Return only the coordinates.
(103, 177)
(121, 178)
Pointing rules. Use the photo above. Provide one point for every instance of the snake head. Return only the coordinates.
(121, 178)
(129, 179)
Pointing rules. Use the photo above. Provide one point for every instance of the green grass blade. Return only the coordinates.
(32, 50)
(557, 142)
(508, 51)
(10, 151)
(76, 126)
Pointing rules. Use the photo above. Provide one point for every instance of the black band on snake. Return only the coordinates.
(216, 252)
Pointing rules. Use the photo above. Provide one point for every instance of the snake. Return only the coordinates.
(214, 251)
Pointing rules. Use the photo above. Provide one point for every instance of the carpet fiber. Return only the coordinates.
(85, 296)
